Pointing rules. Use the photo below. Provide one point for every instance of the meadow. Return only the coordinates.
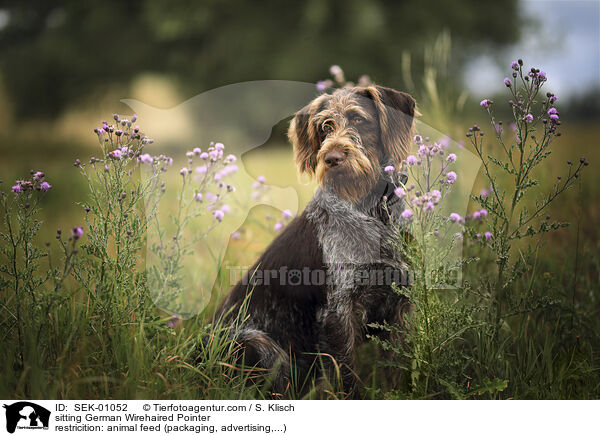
(78, 338)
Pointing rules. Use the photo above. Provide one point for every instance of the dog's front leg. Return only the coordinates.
(386, 307)
(339, 340)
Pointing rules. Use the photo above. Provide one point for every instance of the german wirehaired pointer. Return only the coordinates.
(313, 292)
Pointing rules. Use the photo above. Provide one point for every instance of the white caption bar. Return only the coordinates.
(299, 417)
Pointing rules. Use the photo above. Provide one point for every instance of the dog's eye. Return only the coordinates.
(326, 128)
(357, 119)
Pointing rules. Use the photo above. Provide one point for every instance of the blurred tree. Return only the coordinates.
(53, 52)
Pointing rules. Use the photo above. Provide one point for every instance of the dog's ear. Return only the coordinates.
(304, 137)
(396, 111)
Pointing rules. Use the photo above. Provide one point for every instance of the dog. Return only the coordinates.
(306, 312)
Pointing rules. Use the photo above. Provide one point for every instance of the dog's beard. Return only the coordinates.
(352, 180)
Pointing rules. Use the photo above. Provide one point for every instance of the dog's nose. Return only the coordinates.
(334, 158)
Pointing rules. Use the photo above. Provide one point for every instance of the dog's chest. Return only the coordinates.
(350, 240)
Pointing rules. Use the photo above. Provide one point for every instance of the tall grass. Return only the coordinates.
(510, 331)
(79, 318)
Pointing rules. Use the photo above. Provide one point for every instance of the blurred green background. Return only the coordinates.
(65, 65)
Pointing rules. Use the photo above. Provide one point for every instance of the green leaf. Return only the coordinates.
(489, 387)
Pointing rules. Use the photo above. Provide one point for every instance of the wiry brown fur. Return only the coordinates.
(344, 139)
(325, 125)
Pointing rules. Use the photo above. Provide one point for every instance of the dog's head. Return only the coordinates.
(347, 137)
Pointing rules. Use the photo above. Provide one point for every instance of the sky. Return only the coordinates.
(564, 41)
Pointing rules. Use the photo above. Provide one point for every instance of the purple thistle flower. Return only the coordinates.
(204, 155)
(364, 80)
(515, 66)
(451, 158)
(16, 189)
(278, 226)
(507, 82)
(169, 160)
(436, 196)
(418, 139)
(529, 118)
(552, 99)
(554, 117)
(407, 214)
(287, 214)
(219, 215)
(455, 218)
(400, 192)
(389, 169)
(38, 176)
(485, 103)
(552, 110)
(45, 186)
(229, 170)
(183, 171)
(451, 177)
(488, 236)
(219, 146)
(483, 213)
(198, 197)
(429, 206)
(197, 151)
(321, 85)
(225, 208)
(424, 151)
(478, 235)
(335, 70)
(211, 197)
(145, 158)
(444, 141)
(76, 232)
(231, 158)
(261, 179)
(476, 215)
(174, 321)
(411, 160)
(115, 154)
